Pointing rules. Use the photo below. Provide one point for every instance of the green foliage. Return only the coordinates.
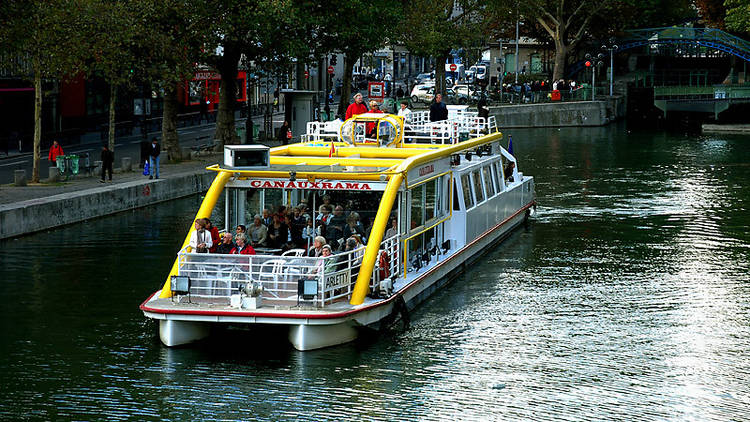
(738, 15)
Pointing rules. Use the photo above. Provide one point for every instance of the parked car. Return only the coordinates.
(419, 92)
(450, 96)
(422, 78)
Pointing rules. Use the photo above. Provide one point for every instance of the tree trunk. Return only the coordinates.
(112, 98)
(346, 87)
(169, 137)
(440, 73)
(37, 121)
(225, 130)
(561, 58)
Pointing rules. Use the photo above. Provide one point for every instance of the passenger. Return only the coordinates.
(335, 226)
(438, 110)
(298, 218)
(240, 229)
(317, 246)
(295, 233)
(324, 214)
(327, 200)
(326, 263)
(308, 233)
(200, 239)
(267, 218)
(353, 226)
(226, 245)
(258, 232)
(404, 110)
(393, 230)
(278, 233)
(242, 248)
(508, 171)
(214, 235)
(355, 108)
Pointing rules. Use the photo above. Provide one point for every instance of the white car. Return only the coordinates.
(419, 92)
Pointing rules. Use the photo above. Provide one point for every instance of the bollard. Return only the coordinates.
(54, 174)
(97, 168)
(19, 177)
(127, 164)
(186, 154)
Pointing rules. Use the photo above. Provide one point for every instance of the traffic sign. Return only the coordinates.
(453, 67)
(307, 74)
(330, 70)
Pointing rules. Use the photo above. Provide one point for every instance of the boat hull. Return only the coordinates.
(177, 333)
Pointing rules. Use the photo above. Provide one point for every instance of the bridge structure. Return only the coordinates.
(693, 94)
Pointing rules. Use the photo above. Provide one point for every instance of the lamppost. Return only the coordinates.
(611, 47)
(593, 63)
(518, 18)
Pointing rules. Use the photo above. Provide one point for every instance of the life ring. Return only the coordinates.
(384, 271)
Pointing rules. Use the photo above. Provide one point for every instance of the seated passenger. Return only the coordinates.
(267, 218)
(278, 233)
(508, 171)
(294, 239)
(324, 214)
(226, 244)
(258, 232)
(240, 229)
(214, 235)
(393, 230)
(200, 239)
(335, 226)
(308, 233)
(326, 263)
(317, 246)
(242, 248)
(353, 226)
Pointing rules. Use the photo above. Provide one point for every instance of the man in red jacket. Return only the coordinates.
(355, 108)
(55, 151)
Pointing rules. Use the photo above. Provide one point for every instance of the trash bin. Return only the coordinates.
(60, 162)
(242, 134)
(73, 163)
(555, 95)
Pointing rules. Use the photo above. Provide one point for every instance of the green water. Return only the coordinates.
(627, 298)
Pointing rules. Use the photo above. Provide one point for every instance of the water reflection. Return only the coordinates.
(626, 299)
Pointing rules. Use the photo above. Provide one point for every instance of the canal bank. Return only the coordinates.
(30, 209)
(570, 114)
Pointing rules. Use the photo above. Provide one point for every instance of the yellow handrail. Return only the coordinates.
(386, 204)
(209, 202)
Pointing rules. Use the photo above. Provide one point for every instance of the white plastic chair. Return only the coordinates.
(271, 271)
(294, 252)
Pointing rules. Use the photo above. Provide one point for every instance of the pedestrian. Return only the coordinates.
(438, 110)
(55, 151)
(482, 109)
(355, 108)
(203, 108)
(404, 110)
(400, 92)
(284, 135)
(108, 158)
(153, 165)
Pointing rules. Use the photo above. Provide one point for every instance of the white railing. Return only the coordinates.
(321, 131)
(215, 277)
(466, 124)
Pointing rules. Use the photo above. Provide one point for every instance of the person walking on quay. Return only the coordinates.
(153, 165)
(355, 108)
(108, 158)
(438, 110)
(55, 151)
(283, 135)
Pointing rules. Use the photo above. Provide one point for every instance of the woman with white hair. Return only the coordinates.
(258, 232)
(355, 108)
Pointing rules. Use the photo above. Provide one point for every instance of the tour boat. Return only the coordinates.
(444, 193)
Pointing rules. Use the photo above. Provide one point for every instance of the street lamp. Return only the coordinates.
(611, 47)
(593, 63)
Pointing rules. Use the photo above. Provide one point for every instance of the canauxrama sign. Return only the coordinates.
(304, 184)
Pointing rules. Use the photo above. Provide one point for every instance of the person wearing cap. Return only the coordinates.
(355, 108)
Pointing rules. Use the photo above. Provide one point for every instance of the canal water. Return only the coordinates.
(626, 298)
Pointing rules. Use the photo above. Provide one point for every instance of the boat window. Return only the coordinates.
(430, 199)
(497, 176)
(420, 250)
(477, 186)
(488, 181)
(456, 206)
(417, 206)
(242, 205)
(466, 187)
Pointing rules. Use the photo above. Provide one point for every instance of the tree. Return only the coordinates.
(738, 15)
(435, 27)
(47, 32)
(713, 12)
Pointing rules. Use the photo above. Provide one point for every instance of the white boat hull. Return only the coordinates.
(176, 333)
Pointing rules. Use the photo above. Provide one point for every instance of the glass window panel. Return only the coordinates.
(456, 206)
(497, 176)
(466, 187)
(417, 207)
(478, 186)
(273, 199)
(431, 199)
(488, 181)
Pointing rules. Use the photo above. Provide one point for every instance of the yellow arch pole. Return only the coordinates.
(209, 202)
(376, 237)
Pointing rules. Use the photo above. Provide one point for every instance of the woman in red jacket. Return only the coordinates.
(54, 152)
(242, 247)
